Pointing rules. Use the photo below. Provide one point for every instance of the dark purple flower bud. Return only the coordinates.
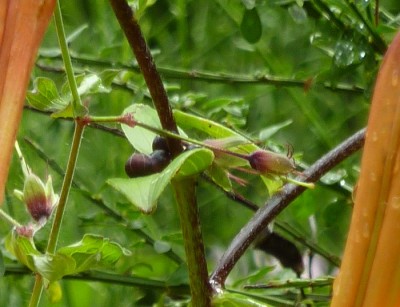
(139, 165)
(160, 160)
(160, 143)
(39, 198)
(268, 162)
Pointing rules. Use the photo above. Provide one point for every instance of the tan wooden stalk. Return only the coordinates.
(22, 26)
(370, 271)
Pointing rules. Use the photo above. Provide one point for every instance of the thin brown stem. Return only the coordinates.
(185, 195)
(184, 189)
(277, 203)
(376, 13)
(134, 35)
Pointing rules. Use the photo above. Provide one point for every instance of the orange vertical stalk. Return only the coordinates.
(22, 26)
(371, 254)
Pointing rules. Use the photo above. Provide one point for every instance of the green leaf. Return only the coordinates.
(88, 84)
(45, 96)
(220, 176)
(228, 299)
(250, 26)
(215, 130)
(211, 128)
(54, 267)
(140, 138)
(67, 112)
(107, 77)
(143, 192)
(193, 163)
(92, 251)
(91, 84)
(256, 276)
(266, 133)
(24, 249)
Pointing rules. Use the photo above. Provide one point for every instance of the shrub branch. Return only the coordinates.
(278, 202)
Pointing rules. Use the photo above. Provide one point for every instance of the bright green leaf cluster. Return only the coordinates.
(46, 97)
(91, 252)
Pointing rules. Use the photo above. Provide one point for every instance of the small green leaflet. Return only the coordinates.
(45, 96)
(89, 253)
(140, 138)
(143, 192)
(228, 299)
(251, 27)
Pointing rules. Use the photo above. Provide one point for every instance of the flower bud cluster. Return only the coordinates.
(40, 201)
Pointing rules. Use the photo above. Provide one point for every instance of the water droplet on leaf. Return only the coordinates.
(347, 53)
(334, 177)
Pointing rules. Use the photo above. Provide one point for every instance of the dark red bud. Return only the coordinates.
(39, 208)
(266, 162)
(39, 204)
(160, 143)
(139, 165)
(160, 160)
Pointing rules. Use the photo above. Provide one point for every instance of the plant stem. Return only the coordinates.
(277, 203)
(187, 206)
(376, 13)
(37, 291)
(210, 77)
(55, 230)
(9, 219)
(105, 277)
(185, 189)
(134, 35)
(76, 101)
(79, 127)
(69, 173)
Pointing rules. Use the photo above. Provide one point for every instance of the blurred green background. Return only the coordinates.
(294, 40)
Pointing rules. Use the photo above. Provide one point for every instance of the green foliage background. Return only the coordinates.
(186, 38)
